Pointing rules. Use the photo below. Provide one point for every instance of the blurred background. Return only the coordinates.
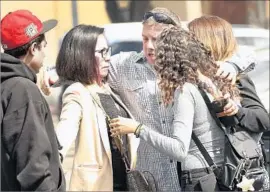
(121, 19)
(71, 13)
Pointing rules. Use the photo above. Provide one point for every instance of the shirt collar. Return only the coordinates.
(140, 58)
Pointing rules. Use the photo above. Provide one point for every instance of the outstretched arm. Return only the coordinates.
(177, 145)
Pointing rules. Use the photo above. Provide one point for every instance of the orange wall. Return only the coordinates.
(187, 10)
(267, 5)
(89, 12)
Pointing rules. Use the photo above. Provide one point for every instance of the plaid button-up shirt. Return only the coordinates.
(135, 81)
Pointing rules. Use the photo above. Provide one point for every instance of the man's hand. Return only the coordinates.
(227, 71)
(48, 78)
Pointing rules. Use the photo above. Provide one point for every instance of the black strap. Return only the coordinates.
(179, 172)
(211, 110)
(202, 149)
(197, 141)
(266, 161)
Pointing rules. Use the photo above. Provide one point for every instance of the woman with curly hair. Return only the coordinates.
(184, 65)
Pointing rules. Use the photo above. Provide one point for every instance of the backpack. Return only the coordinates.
(243, 166)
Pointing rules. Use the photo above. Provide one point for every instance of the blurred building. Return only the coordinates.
(90, 12)
(236, 12)
(71, 13)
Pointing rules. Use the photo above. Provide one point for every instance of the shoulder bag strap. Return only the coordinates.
(197, 141)
(205, 154)
(209, 106)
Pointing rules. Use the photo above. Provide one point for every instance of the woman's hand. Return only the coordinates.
(122, 126)
(230, 109)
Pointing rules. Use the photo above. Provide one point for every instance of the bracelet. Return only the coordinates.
(137, 130)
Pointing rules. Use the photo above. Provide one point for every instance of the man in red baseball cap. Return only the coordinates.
(29, 146)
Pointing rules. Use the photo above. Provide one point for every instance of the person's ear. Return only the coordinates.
(33, 49)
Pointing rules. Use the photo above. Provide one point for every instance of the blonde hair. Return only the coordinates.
(215, 33)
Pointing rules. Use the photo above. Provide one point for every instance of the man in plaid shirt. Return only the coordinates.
(133, 78)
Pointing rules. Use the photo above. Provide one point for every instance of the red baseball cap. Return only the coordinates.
(20, 27)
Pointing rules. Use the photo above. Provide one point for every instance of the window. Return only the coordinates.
(126, 47)
(258, 42)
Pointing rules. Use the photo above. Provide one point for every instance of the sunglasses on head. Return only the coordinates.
(159, 17)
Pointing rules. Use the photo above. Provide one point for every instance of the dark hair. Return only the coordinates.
(22, 50)
(76, 58)
(179, 55)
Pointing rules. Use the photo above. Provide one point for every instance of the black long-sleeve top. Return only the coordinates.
(252, 115)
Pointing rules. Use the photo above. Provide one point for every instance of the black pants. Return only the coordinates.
(190, 179)
(119, 172)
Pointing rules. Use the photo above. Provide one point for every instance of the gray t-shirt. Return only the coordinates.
(190, 113)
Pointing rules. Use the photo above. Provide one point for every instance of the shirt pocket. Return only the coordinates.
(134, 85)
(137, 93)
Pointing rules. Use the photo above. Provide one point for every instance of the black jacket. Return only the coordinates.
(252, 115)
(29, 146)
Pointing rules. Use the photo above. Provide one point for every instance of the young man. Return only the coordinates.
(29, 147)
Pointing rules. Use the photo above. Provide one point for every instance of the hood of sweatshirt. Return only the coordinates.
(13, 67)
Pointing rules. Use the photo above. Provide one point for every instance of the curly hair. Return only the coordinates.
(179, 57)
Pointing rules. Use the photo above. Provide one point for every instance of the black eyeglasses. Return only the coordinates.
(159, 17)
(105, 52)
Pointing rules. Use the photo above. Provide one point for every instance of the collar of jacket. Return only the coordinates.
(94, 88)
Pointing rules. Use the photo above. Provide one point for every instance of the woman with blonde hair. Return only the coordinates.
(250, 114)
(216, 34)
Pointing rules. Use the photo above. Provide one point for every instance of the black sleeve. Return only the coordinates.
(24, 134)
(252, 115)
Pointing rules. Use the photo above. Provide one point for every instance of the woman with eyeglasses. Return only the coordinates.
(88, 103)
